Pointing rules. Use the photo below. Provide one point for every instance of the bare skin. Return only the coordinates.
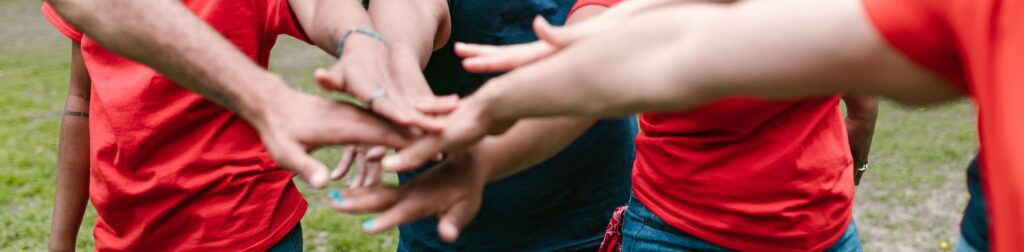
(453, 189)
(856, 61)
(72, 192)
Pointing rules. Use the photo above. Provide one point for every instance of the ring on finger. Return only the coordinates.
(377, 94)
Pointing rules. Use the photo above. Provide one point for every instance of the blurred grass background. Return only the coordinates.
(911, 199)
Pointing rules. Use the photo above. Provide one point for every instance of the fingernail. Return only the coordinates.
(367, 225)
(391, 162)
(336, 197)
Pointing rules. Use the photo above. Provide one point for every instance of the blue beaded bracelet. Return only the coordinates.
(364, 31)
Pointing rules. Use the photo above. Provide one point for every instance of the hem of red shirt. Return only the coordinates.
(293, 220)
(733, 244)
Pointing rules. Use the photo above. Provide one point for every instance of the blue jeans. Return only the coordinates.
(292, 242)
(643, 231)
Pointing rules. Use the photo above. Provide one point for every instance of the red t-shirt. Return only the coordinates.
(172, 171)
(979, 46)
(747, 174)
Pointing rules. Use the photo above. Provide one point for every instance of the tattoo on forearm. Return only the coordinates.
(76, 113)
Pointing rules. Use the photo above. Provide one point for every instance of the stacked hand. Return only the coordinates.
(367, 72)
(296, 123)
(364, 71)
(452, 190)
(471, 121)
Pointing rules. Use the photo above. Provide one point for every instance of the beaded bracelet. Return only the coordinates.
(364, 31)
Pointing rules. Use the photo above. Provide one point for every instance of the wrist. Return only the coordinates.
(60, 244)
(359, 40)
(259, 105)
(484, 101)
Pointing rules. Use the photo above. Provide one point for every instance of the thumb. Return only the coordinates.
(558, 37)
(329, 80)
(452, 221)
(562, 37)
(291, 156)
(414, 155)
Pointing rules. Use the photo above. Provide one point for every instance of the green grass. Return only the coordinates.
(909, 201)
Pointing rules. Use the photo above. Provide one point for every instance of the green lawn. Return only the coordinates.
(909, 201)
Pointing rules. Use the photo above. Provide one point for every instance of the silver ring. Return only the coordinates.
(377, 94)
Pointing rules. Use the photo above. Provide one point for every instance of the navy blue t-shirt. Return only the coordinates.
(561, 204)
(974, 225)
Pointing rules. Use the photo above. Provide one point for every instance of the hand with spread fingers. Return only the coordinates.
(298, 123)
(451, 190)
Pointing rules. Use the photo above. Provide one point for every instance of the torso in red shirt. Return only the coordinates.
(172, 171)
(978, 45)
(747, 174)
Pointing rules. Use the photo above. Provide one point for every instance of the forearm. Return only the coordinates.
(72, 174)
(526, 144)
(166, 36)
(861, 114)
(414, 29)
(687, 55)
(324, 21)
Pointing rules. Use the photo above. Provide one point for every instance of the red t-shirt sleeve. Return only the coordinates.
(59, 23)
(284, 21)
(916, 29)
(581, 3)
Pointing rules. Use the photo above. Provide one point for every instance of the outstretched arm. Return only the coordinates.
(72, 192)
(686, 55)
(166, 36)
(683, 56)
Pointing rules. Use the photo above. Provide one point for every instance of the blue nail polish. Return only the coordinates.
(336, 197)
(368, 224)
